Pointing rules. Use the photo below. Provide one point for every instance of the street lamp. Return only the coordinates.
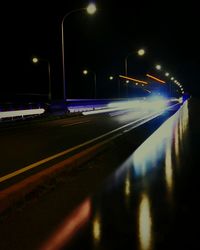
(140, 52)
(36, 60)
(86, 72)
(158, 67)
(90, 9)
(111, 78)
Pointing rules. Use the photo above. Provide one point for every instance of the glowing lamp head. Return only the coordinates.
(35, 60)
(127, 81)
(91, 8)
(85, 71)
(158, 67)
(141, 52)
(111, 78)
(166, 74)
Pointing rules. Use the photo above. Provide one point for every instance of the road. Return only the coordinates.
(150, 202)
(28, 224)
(28, 144)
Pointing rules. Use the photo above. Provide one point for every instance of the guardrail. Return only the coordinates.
(21, 113)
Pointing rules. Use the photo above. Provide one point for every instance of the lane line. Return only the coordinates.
(72, 124)
(33, 165)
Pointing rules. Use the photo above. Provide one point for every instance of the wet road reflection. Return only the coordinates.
(145, 224)
(141, 206)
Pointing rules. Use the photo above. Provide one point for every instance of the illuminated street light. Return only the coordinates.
(86, 72)
(166, 74)
(141, 52)
(111, 78)
(172, 78)
(36, 60)
(90, 9)
(158, 67)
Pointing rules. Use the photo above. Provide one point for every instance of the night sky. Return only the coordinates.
(168, 32)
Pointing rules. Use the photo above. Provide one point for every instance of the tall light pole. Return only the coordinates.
(140, 52)
(85, 72)
(111, 78)
(36, 60)
(91, 9)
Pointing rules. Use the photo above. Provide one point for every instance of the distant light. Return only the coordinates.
(91, 8)
(136, 83)
(166, 74)
(141, 52)
(127, 81)
(143, 85)
(111, 78)
(35, 60)
(85, 72)
(158, 67)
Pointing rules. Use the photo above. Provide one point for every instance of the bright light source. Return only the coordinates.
(141, 52)
(136, 83)
(35, 60)
(166, 74)
(85, 72)
(127, 81)
(91, 8)
(158, 67)
(111, 78)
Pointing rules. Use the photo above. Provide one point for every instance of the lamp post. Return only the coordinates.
(91, 9)
(36, 60)
(140, 52)
(111, 78)
(86, 72)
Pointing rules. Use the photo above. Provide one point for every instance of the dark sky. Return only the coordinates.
(168, 31)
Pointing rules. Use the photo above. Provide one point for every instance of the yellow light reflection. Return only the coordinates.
(184, 120)
(185, 115)
(96, 229)
(176, 144)
(145, 224)
(168, 167)
(127, 186)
